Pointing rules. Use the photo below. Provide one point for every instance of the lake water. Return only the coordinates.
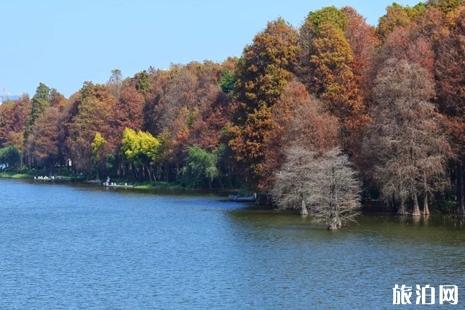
(80, 248)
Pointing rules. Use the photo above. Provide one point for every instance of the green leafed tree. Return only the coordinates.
(328, 15)
(142, 82)
(227, 81)
(10, 157)
(200, 168)
(40, 102)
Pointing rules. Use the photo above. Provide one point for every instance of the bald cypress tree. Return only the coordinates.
(263, 72)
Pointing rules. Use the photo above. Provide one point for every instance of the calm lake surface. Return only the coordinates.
(80, 247)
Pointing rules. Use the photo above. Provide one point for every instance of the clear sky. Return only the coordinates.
(63, 43)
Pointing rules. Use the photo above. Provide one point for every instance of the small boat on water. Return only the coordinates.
(243, 198)
(46, 178)
(109, 184)
(115, 185)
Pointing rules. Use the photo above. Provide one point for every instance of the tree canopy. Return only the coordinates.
(382, 104)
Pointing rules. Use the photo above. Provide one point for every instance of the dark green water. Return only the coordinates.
(64, 247)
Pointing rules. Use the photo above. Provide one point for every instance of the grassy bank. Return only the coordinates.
(158, 185)
(144, 186)
(26, 175)
(15, 175)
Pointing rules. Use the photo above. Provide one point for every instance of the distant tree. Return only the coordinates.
(142, 82)
(13, 120)
(364, 42)
(129, 110)
(266, 65)
(43, 144)
(446, 6)
(398, 16)
(200, 167)
(248, 143)
(327, 68)
(10, 157)
(263, 72)
(206, 130)
(141, 149)
(40, 102)
(93, 111)
(115, 82)
(406, 43)
(98, 153)
(325, 184)
(227, 81)
(182, 102)
(315, 20)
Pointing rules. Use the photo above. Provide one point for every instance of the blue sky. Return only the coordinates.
(63, 43)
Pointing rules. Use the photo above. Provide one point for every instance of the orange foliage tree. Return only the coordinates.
(263, 72)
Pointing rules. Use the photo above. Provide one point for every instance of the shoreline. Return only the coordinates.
(368, 208)
(120, 185)
(178, 190)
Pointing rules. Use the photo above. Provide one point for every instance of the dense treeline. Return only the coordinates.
(385, 104)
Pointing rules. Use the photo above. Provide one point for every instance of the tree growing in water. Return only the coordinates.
(324, 184)
(450, 79)
(296, 119)
(406, 139)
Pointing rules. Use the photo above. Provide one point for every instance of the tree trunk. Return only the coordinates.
(401, 210)
(426, 205)
(332, 226)
(416, 206)
(334, 223)
(461, 191)
(303, 210)
(425, 202)
(149, 173)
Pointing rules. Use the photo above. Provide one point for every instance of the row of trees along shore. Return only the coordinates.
(319, 117)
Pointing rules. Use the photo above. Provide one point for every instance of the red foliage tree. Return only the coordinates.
(13, 119)
(451, 96)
